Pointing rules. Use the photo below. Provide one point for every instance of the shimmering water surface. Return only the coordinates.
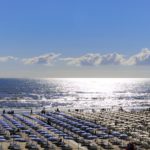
(75, 93)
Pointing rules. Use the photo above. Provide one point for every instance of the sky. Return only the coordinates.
(74, 38)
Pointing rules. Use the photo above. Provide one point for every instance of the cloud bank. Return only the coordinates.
(7, 58)
(85, 60)
(91, 59)
(96, 60)
(142, 58)
(47, 59)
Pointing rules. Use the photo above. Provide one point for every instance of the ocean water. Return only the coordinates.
(84, 93)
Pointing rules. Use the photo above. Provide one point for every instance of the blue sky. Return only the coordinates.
(72, 28)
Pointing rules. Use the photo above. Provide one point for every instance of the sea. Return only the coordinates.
(75, 93)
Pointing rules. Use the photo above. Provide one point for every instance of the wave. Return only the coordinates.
(87, 93)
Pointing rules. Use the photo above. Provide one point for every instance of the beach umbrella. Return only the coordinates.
(35, 139)
(32, 135)
(123, 136)
(47, 135)
(2, 140)
(19, 140)
(115, 133)
(103, 128)
(80, 131)
(15, 136)
(52, 139)
(91, 137)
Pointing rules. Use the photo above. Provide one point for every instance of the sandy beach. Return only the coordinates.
(75, 129)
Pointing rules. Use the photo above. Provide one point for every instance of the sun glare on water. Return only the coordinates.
(100, 92)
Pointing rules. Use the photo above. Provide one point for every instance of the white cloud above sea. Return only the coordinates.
(142, 58)
(85, 60)
(96, 59)
(46, 59)
(7, 58)
(90, 59)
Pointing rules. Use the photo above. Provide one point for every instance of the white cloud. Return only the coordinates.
(7, 58)
(90, 59)
(113, 59)
(142, 58)
(96, 60)
(85, 60)
(46, 59)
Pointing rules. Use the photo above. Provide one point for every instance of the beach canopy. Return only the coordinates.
(19, 140)
(52, 139)
(15, 136)
(2, 140)
(115, 133)
(123, 136)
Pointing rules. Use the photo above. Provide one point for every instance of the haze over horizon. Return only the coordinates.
(75, 38)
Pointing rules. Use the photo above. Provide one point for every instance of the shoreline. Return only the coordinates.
(65, 109)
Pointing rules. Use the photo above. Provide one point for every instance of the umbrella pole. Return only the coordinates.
(1, 147)
(78, 142)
